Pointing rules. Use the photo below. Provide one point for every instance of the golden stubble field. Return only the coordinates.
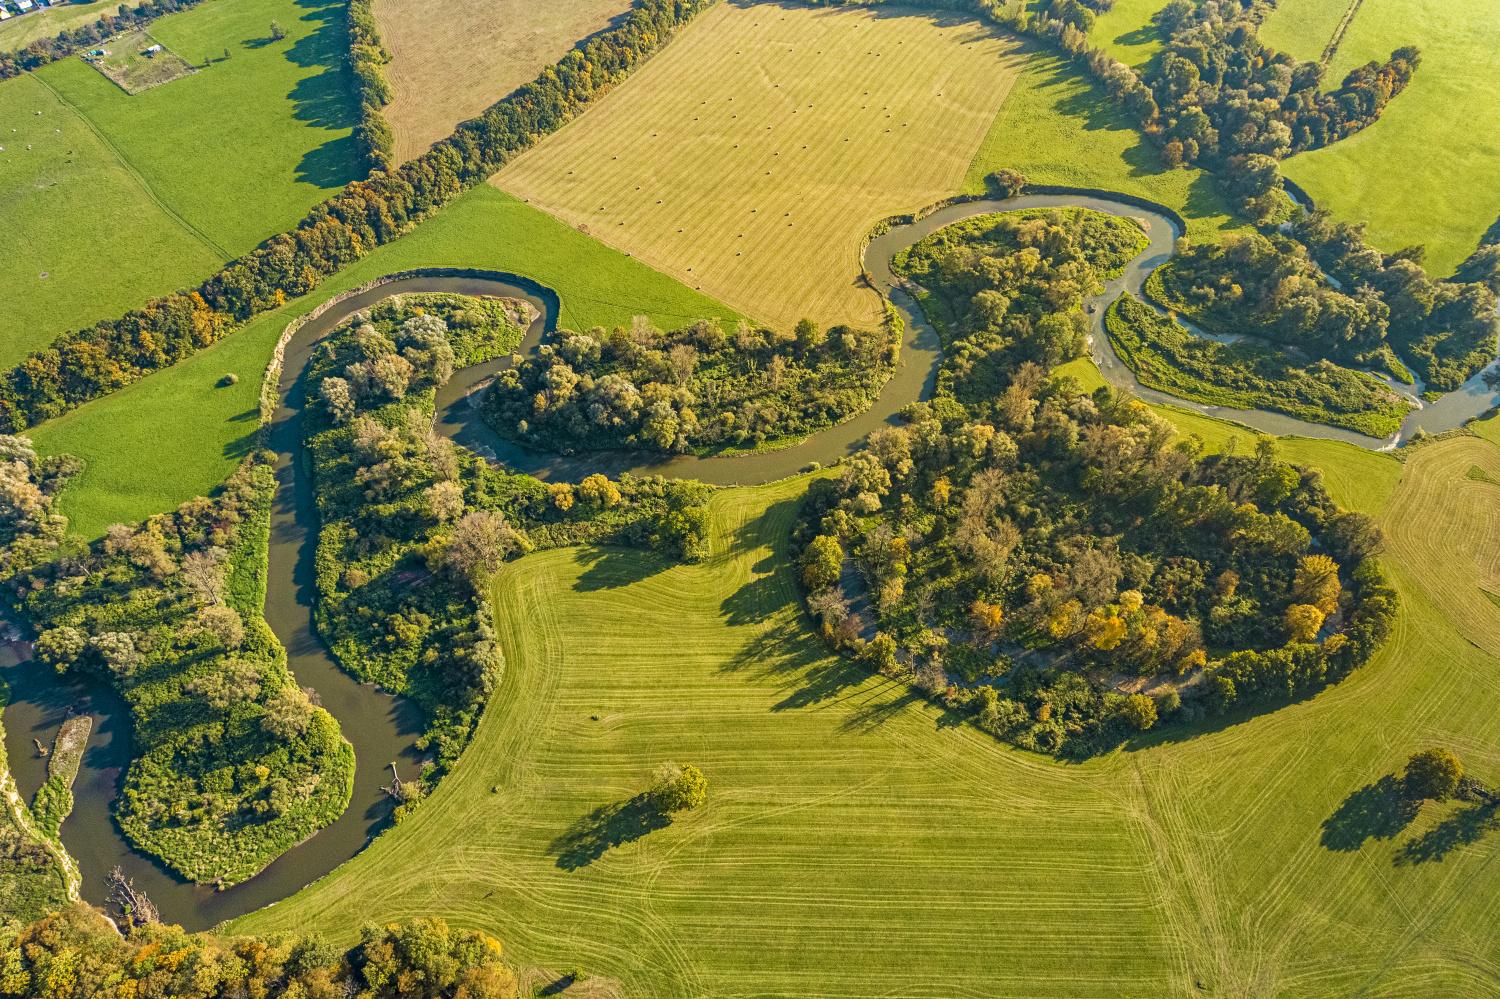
(751, 157)
(452, 60)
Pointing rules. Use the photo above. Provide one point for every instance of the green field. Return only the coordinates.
(858, 843)
(1426, 172)
(117, 197)
(1126, 31)
(1058, 127)
(178, 433)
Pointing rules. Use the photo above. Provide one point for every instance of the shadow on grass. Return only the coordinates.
(1376, 811)
(611, 568)
(326, 100)
(1468, 825)
(605, 828)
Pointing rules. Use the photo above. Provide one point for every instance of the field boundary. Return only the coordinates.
(1331, 49)
(224, 255)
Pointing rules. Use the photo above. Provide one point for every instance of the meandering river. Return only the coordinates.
(382, 728)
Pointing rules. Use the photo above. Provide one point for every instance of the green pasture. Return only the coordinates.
(1427, 172)
(177, 433)
(1127, 32)
(119, 197)
(858, 842)
(1058, 127)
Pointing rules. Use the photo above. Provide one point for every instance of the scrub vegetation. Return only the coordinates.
(1019, 550)
(751, 159)
(412, 528)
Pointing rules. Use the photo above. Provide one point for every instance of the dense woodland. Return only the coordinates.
(412, 527)
(692, 389)
(1039, 558)
(74, 953)
(234, 764)
(86, 364)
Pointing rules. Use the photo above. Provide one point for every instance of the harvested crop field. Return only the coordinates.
(451, 61)
(752, 156)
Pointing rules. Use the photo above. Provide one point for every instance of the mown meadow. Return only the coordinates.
(856, 842)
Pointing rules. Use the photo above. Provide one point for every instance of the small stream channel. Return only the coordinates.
(382, 728)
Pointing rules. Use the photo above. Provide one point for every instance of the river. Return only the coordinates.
(382, 728)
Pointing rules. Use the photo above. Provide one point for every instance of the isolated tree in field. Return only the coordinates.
(822, 562)
(675, 788)
(277, 31)
(1433, 773)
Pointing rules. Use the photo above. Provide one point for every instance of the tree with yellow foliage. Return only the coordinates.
(1317, 583)
(1303, 622)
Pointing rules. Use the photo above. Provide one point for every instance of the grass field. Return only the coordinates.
(1429, 171)
(450, 61)
(752, 156)
(121, 197)
(1058, 127)
(1127, 32)
(46, 22)
(855, 843)
(177, 433)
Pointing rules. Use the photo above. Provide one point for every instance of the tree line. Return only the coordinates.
(368, 57)
(85, 364)
(74, 953)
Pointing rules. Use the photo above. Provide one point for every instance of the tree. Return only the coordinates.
(481, 541)
(599, 491)
(223, 625)
(277, 31)
(675, 788)
(288, 713)
(1139, 710)
(822, 562)
(60, 647)
(445, 501)
(1303, 621)
(337, 399)
(1317, 582)
(987, 617)
(203, 571)
(1433, 773)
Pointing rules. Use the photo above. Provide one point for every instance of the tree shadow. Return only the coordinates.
(605, 828)
(1376, 811)
(1468, 825)
(325, 99)
(611, 568)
